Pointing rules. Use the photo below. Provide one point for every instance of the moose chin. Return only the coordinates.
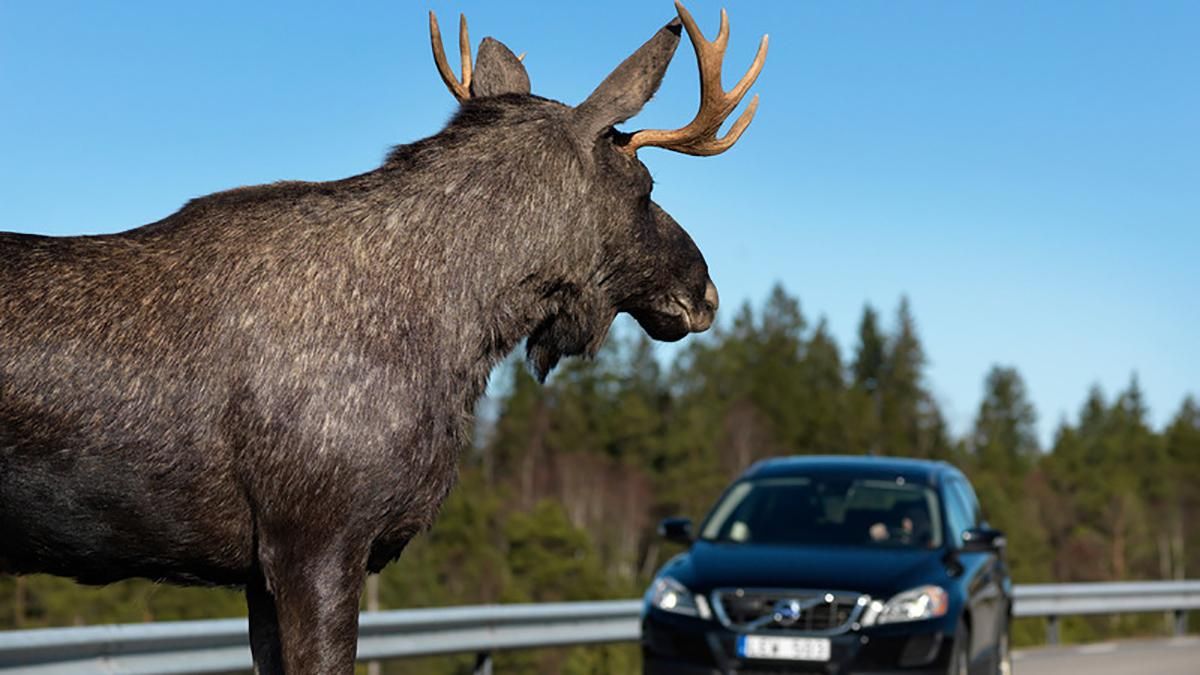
(270, 387)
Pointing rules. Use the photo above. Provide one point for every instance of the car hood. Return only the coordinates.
(879, 572)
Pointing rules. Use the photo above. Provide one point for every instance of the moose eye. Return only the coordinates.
(647, 187)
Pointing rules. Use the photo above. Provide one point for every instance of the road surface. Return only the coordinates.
(1176, 656)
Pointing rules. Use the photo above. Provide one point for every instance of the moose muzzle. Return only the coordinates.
(702, 318)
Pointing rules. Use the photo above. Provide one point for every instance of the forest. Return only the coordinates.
(560, 491)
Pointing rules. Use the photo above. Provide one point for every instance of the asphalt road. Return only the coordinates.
(1177, 656)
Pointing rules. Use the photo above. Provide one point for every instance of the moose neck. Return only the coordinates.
(490, 251)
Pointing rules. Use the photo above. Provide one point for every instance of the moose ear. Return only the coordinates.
(497, 71)
(623, 93)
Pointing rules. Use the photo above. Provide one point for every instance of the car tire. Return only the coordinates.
(960, 658)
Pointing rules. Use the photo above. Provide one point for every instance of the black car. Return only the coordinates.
(834, 565)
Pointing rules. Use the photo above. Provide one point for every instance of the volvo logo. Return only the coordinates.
(788, 611)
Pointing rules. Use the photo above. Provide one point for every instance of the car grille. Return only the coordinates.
(807, 611)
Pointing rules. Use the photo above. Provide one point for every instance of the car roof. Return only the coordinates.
(928, 472)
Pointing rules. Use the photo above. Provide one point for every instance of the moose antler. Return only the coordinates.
(461, 90)
(699, 137)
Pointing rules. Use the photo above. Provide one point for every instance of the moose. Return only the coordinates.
(270, 388)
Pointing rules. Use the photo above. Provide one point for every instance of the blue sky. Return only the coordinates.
(1028, 173)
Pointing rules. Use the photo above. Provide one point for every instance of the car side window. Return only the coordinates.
(959, 515)
(969, 501)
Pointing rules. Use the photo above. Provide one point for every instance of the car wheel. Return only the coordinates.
(1004, 655)
(960, 658)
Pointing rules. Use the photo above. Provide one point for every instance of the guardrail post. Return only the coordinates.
(483, 663)
(1181, 622)
(1052, 630)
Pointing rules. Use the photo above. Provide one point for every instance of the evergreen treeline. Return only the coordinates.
(559, 496)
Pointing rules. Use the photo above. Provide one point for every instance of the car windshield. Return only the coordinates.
(827, 510)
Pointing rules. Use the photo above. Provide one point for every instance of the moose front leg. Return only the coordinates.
(315, 587)
(265, 645)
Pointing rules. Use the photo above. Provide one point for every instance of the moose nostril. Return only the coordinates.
(711, 299)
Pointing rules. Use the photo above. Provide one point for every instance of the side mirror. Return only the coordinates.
(983, 540)
(678, 530)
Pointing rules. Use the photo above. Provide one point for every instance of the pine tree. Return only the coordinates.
(824, 415)
(1004, 439)
(865, 400)
(1182, 441)
(911, 424)
(870, 353)
(1004, 449)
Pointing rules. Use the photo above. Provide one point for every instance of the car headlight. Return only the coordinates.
(669, 595)
(923, 602)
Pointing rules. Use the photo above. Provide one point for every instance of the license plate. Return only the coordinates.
(783, 648)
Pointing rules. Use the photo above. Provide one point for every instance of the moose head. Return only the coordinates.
(638, 258)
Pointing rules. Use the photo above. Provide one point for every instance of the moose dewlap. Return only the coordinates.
(269, 388)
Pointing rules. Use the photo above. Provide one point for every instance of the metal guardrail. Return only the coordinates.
(1055, 601)
(221, 645)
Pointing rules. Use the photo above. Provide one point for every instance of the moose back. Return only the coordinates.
(269, 388)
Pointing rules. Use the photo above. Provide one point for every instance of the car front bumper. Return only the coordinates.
(681, 645)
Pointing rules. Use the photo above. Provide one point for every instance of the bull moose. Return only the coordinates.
(270, 387)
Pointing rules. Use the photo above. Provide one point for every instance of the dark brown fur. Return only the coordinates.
(270, 387)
